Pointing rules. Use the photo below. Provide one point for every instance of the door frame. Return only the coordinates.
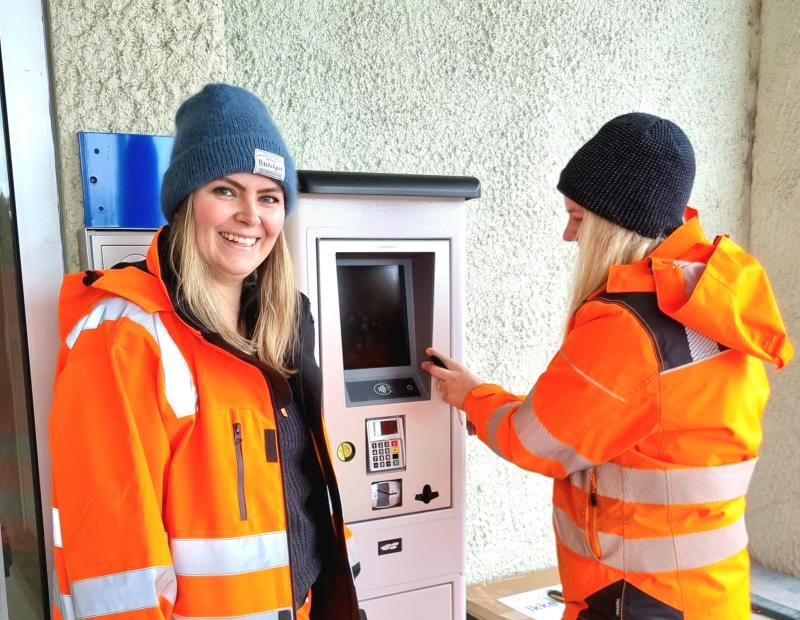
(23, 40)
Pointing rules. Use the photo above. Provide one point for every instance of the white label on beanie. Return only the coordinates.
(269, 165)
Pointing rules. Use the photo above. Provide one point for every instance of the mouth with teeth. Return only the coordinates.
(246, 242)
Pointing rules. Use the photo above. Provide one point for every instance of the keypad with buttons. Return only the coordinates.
(386, 454)
(385, 444)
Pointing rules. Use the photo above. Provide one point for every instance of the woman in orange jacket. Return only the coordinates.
(648, 417)
(191, 477)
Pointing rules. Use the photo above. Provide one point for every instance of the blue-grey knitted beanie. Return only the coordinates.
(637, 171)
(222, 130)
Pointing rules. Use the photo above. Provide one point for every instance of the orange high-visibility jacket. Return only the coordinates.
(649, 419)
(168, 498)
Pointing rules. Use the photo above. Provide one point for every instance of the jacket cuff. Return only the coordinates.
(472, 402)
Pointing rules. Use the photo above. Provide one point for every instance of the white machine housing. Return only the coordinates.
(411, 549)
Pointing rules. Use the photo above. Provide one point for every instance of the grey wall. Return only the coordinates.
(774, 499)
(504, 90)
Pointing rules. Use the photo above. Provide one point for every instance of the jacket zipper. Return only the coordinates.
(237, 443)
(590, 525)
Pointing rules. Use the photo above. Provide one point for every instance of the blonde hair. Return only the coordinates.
(274, 339)
(601, 244)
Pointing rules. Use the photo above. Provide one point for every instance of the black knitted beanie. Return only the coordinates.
(637, 171)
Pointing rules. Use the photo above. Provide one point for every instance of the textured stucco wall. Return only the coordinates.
(124, 66)
(503, 90)
(774, 500)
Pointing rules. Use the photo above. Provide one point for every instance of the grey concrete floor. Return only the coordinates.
(773, 590)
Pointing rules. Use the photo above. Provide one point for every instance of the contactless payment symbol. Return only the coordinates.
(346, 451)
(382, 389)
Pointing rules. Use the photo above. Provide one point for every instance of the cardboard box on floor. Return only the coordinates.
(482, 598)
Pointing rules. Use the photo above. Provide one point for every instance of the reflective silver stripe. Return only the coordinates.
(700, 346)
(229, 556)
(655, 555)
(179, 385)
(56, 529)
(135, 589)
(262, 615)
(691, 485)
(62, 601)
(498, 415)
(352, 552)
(590, 379)
(684, 366)
(539, 442)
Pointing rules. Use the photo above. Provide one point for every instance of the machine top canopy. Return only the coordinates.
(121, 176)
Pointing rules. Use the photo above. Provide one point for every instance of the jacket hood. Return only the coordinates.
(80, 291)
(715, 288)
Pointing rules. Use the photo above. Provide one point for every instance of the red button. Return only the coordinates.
(394, 443)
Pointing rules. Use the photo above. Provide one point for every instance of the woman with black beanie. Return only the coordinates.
(649, 415)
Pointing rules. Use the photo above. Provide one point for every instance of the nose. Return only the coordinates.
(248, 211)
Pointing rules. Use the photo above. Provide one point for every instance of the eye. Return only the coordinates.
(223, 190)
(270, 199)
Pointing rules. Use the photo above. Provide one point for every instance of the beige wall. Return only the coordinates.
(504, 90)
(774, 500)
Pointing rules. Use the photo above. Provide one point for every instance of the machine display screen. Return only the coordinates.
(374, 316)
(389, 427)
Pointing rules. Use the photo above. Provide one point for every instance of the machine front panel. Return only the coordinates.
(382, 302)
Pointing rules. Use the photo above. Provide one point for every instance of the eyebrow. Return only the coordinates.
(275, 188)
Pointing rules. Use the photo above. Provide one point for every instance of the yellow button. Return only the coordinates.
(346, 451)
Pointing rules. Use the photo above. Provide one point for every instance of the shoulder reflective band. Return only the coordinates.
(690, 485)
(229, 556)
(178, 383)
(655, 555)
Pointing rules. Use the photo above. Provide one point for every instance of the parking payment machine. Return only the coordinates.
(381, 259)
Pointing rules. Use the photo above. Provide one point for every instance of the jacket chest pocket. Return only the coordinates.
(249, 440)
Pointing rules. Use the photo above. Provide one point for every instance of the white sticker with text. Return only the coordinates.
(269, 165)
(541, 604)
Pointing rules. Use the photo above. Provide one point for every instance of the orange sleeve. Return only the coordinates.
(597, 398)
(109, 457)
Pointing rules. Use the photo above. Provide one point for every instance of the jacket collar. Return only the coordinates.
(688, 242)
(158, 264)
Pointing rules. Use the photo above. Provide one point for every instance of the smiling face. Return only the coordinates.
(237, 219)
(575, 212)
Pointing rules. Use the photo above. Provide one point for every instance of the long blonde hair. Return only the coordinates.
(601, 244)
(274, 339)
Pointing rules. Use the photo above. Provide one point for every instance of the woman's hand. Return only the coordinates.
(454, 382)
